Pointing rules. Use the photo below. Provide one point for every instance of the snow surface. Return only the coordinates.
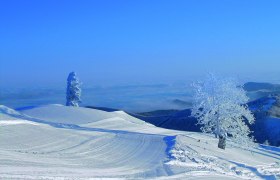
(58, 142)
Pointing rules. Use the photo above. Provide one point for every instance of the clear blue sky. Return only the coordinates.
(136, 41)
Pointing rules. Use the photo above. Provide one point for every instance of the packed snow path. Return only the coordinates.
(58, 142)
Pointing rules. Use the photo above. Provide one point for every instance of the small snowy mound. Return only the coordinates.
(66, 114)
(74, 115)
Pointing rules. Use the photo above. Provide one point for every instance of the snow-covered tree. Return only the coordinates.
(220, 108)
(73, 94)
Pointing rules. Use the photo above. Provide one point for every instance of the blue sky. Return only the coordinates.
(137, 42)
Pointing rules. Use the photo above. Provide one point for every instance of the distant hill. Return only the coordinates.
(257, 90)
(255, 86)
(170, 119)
(103, 108)
(267, 124)
(181, 103)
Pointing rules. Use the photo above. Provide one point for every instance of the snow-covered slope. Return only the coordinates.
(58, 142)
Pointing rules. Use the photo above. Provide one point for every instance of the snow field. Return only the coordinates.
(58, 142)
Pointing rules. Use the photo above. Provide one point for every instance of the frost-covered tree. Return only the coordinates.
(73, 94)
(220, 108)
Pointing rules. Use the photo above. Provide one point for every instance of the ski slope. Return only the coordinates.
(58, 142)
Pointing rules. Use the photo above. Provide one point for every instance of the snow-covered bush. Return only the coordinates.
(73, 94)
(266, 142)
(220, 107)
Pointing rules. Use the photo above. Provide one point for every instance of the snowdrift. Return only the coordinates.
(58, 142)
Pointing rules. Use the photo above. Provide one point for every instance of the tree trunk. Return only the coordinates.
(222, 142)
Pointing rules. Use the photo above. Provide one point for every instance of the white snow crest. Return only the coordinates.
(9, 111)
(16, 122)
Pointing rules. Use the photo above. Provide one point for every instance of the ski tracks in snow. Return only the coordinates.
(184, 155)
